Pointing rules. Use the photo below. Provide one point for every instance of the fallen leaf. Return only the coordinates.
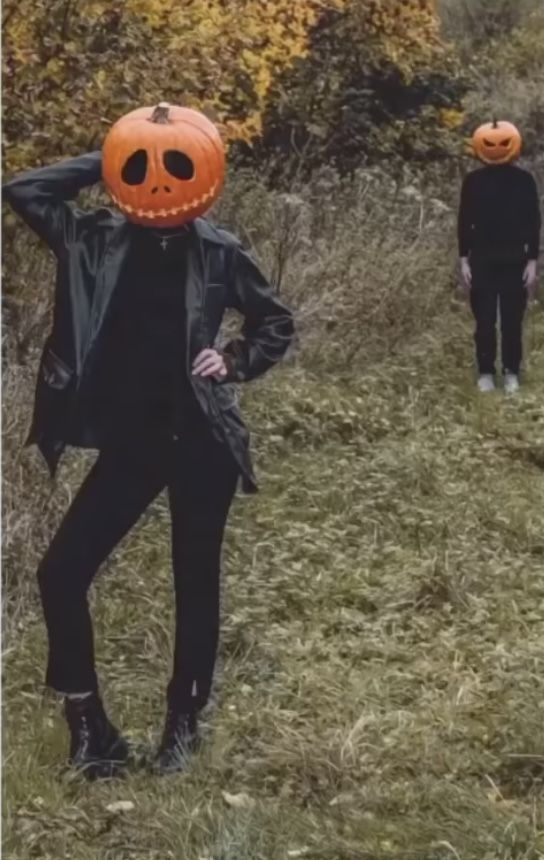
(120, 806)
(238, 801)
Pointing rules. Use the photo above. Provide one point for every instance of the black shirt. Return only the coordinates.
(499, 214)
(141, 382)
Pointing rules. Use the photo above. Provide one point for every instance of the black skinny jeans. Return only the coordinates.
(498, 286)
(200, 475)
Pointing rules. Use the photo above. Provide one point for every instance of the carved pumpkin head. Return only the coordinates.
(163, 166)
(497, 142)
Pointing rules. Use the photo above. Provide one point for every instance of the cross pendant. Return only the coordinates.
(164, 243)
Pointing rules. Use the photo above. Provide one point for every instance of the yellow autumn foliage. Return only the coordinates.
(71, 69)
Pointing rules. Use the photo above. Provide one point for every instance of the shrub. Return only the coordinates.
(71, 69)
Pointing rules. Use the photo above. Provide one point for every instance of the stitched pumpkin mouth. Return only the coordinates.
(166, 213)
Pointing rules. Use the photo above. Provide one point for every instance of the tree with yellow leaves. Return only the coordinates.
(71, 69)
(378, 81)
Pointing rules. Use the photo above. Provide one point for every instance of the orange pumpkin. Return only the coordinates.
(163, 166)
(497, 142)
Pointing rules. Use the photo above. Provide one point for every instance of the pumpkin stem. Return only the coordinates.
(160, 114)
(495, 122)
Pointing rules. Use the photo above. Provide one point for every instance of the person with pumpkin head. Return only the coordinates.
(131, 368)
(499, 231)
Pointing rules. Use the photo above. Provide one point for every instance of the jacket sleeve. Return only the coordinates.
(464, 219)
(268, 327)
(41, 196)
(534, 220)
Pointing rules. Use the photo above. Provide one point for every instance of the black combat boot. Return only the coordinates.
(180, 739)
(96, 747)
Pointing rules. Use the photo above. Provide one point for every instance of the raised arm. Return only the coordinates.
(268, 327)
(41, 196)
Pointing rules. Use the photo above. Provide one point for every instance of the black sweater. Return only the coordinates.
(499, 215)
(141, 383)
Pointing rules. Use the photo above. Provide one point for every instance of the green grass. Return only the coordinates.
(380, 692)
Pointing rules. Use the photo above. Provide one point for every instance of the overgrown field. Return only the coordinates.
(380, 693)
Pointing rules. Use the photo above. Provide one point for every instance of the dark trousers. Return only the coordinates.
(200, 476)
(498, 287)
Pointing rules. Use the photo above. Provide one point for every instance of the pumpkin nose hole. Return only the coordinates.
(167, 189)
(154, 190)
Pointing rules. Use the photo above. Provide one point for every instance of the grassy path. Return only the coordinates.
(381, 687)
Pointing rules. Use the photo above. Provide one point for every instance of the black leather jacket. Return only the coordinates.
(90, 247)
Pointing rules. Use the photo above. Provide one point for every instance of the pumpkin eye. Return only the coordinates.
(135, 168)
(506, 142)
(178, 164)
(489, 142)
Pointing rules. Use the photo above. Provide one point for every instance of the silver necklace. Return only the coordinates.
(165, 239)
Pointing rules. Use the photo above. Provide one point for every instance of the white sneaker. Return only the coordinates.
(511, 383)
(486, 382)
